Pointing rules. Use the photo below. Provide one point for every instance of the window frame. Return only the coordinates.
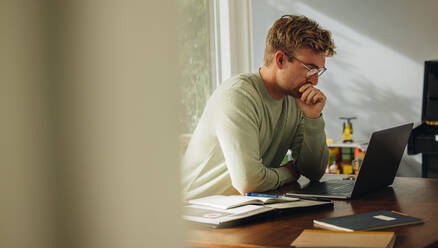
(231, 28)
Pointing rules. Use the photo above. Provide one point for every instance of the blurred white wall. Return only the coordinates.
(377, 73)
(89, 106)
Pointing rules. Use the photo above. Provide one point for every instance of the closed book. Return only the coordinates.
(339, 239)
(367, 221)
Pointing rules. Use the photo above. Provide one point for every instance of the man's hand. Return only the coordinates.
(291, 166)
(312, 101)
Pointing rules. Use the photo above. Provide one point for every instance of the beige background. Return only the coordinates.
(88, 108)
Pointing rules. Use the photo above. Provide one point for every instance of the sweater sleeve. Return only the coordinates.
(237, 130)
(309, 148)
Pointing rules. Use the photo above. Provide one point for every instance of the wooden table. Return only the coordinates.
(415, 196)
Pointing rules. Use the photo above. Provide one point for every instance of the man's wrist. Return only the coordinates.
(313, 116)
(293, 170)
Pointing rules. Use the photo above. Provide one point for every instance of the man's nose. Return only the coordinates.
(314, 79)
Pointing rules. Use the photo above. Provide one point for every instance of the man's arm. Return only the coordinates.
(237, 129)
(309, 148)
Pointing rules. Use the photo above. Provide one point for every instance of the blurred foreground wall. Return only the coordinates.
(88, 109)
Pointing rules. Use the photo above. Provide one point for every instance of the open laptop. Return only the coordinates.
(377, 171)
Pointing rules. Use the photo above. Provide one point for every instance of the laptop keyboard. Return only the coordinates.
(343, 188)
(331, 187)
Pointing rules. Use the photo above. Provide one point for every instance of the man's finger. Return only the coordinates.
(318, 98)
(305, 95)
(304, 87)
(312, 94)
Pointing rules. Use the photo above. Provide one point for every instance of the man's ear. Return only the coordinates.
(280, 58)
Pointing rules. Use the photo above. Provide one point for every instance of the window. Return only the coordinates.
(216, 42)
(196, 61)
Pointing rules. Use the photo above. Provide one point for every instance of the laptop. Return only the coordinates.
(377, 171)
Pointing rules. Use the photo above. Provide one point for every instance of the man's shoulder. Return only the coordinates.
(243, 80)
(241, 84)
(238, 92)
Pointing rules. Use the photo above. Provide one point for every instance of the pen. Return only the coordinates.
(263, 195)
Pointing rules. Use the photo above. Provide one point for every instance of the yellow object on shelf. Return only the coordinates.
(344, 158)
(347, 130)
(347, 169)
(432, 123)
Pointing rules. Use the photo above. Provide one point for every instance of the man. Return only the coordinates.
(251, 120)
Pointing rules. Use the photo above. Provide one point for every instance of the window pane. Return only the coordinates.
(196, 40)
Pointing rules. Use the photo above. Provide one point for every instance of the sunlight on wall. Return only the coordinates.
(377, 73)
(366, 78)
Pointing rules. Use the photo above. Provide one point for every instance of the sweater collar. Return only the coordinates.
(264, 91)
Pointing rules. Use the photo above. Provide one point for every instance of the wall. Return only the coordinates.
(377, 73)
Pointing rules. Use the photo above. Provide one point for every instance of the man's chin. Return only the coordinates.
(295, 93)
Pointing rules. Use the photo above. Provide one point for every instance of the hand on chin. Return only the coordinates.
(295, 92)
(311, 100)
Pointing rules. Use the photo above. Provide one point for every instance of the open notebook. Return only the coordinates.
(232, 201)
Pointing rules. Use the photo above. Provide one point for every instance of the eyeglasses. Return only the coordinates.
(310, 71)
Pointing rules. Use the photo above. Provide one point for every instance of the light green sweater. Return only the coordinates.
(243, 136)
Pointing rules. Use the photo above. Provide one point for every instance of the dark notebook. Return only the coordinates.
(367, 221)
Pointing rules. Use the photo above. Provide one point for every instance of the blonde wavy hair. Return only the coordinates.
(291, 32)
